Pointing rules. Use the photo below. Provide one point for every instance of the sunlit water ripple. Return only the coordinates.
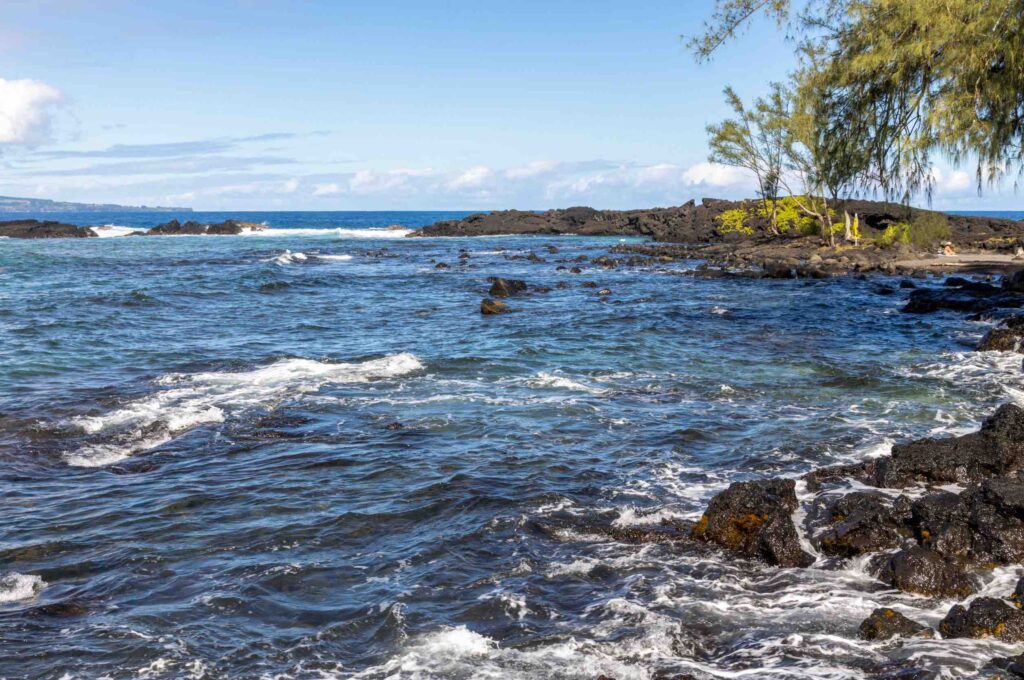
(197, 463)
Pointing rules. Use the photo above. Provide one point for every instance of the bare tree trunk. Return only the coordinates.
(848, 236)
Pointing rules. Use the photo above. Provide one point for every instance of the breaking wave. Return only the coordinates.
(190, 400)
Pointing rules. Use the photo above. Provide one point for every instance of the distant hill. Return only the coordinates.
(9, 204)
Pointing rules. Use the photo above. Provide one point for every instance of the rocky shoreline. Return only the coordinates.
(698, 223)
(929, 518)
(41, 229)
(691, 231)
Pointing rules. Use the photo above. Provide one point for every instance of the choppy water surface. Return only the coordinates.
(201, 477)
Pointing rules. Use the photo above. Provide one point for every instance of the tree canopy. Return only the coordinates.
(889, 83)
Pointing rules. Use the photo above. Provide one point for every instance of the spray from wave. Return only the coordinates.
(190, 400)
(15, 587)
(112, 230)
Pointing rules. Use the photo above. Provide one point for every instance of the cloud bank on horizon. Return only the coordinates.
(601, 107)
(219, 173)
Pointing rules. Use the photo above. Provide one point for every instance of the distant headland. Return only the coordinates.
(10, 204)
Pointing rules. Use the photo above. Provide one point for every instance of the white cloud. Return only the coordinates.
(474, 178)
(952, 181)
(26, 111)
(716, 175)
(290, 186)
(326, 189)
(533, 169)
(660, 174)
(400, 179)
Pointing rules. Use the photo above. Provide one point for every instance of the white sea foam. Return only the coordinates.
(288, 257)
(462, 653)
(631, 517)
(550, 380)
(112, 230)
(201, 398)
(373, 233)
(986, 370)
(15, 586)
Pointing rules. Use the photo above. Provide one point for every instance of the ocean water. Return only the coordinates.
(202, 477)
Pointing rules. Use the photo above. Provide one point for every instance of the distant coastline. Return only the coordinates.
(19, 206)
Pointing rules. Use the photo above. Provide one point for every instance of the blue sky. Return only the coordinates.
(332, 105)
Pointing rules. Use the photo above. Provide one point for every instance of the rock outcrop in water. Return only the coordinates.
(27, 229)
(506, 287)
(944, 509)
(755, 519)
(885, 623)
(193, 228)
(985, 617)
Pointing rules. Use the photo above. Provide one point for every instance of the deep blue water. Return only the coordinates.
(1005, 214)
(199, 462)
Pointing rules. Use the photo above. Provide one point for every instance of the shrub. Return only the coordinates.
(734, 222)
(928, 228)
(924, 231)
(893, 234)
(789, 216)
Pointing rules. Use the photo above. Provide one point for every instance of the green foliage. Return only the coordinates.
(789, 216)
(898, 233)
(924, 231)
(734, 222)
(928, 228)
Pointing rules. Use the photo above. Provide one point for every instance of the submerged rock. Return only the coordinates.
(59, 609)
(885, 623)
(1014, 665)
(505, 287)
(488, 306)
(977, 298)
(755, 519)
(986, 617)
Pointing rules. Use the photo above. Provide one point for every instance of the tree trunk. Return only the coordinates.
(848, 236)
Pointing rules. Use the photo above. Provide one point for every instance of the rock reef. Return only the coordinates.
(27, 229)
(193, 228)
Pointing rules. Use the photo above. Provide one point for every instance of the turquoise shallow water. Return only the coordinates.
(200, 474)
